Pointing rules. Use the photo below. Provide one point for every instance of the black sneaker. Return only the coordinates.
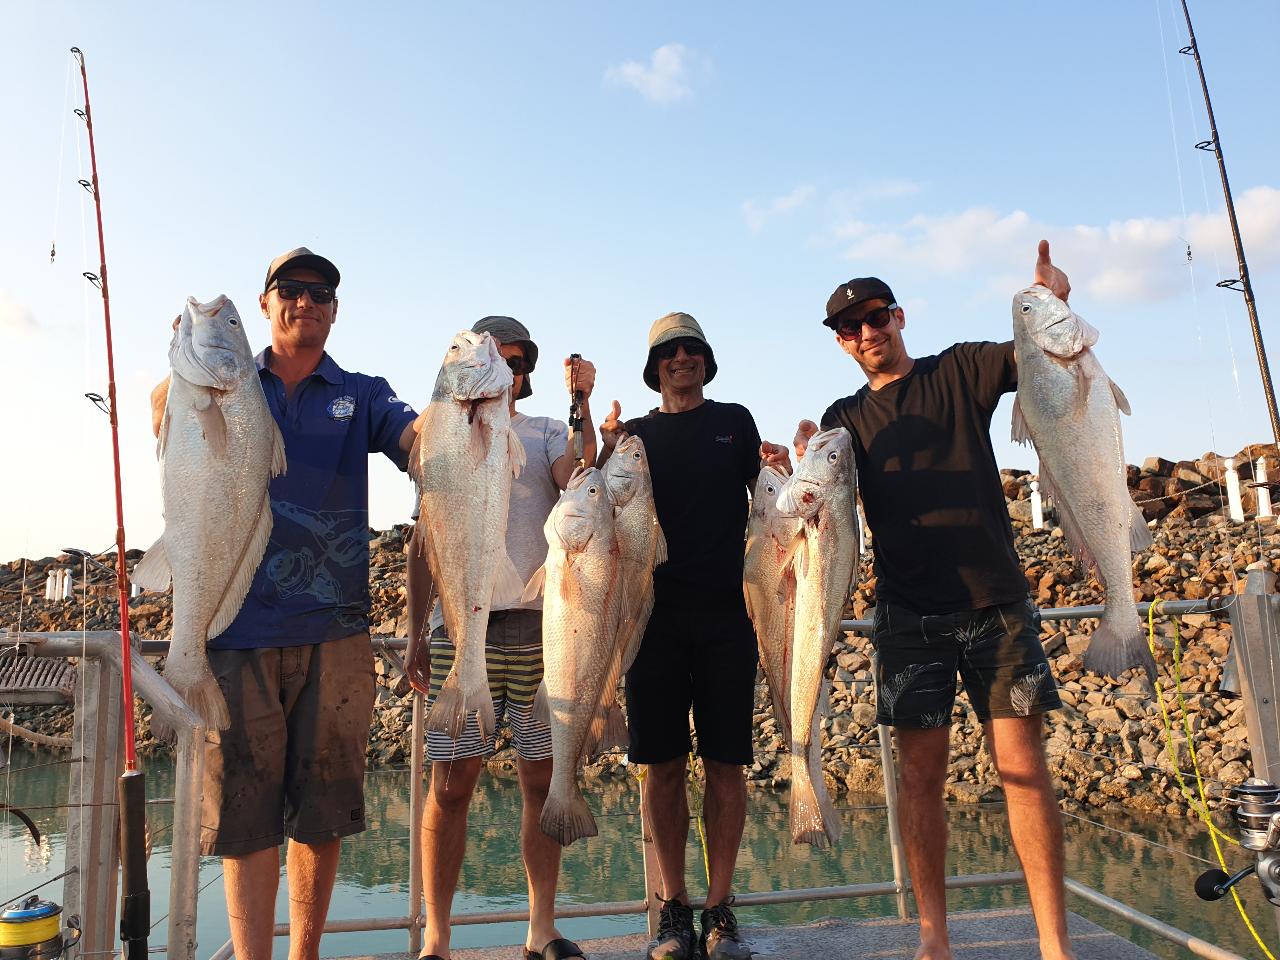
(675, 932)
(720, 939)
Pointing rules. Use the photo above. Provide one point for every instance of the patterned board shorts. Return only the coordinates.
(514, 675)
(996, 650)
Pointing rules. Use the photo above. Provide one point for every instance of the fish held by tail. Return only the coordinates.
(1112, 652)
(449, 712)
(566, 819)
(204, 696)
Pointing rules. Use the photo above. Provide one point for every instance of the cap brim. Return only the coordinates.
(308, 261)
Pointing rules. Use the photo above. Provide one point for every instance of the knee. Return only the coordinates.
(452, 784)
(726, 776)
(1027, 772)
(535, 779)
(665, 776)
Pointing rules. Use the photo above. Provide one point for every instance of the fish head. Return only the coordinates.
(474, 369)
(825, 470)
(582, 512)
(764, 498)
(210, 347)
(626, 472)
(1050, 324)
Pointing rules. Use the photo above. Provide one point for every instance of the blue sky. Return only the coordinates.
(588, 167)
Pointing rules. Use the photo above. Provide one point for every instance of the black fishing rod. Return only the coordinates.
(135, 896)
(1240, 284)
(575, 412)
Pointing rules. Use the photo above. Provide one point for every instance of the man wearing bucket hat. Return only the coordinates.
(513, 655)
(950, 592)
(699, 649)
(296, 664)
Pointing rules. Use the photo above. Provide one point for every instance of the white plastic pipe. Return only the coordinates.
(1235, 506)
(1264, 495)
(50, 583)
(68, 586)
(1037, 506)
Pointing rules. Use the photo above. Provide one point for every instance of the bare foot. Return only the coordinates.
(934, 951)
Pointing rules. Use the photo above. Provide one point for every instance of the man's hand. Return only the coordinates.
(612, 430)
(579, 375)
(775, 455)
(804, 433)
(1047, 275)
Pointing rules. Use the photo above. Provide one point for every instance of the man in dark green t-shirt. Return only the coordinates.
(950, 592)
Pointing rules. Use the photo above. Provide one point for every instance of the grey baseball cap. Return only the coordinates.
(300, 258)
(511, 330)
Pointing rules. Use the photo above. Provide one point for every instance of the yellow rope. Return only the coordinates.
(1203, 810)
(702, 832)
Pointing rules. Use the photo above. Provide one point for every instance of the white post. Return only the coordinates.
(68, 586)
(1263, 492)
(50, 582)
(1235, 506)
(862, 533)
(1037, 506)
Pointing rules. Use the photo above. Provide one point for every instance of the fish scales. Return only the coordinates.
(1070, 409)
(219, 447)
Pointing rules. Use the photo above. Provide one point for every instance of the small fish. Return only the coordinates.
(581, 608)
(769, 585)
(1070, 409)
(463, 460)
(824, 558)
(219, 447)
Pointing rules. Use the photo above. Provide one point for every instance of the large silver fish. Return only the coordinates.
(1069, 408)
(769, 585)
(580, 610)
(219, 448)
(822, 492)
(463, 461)
(641, 547)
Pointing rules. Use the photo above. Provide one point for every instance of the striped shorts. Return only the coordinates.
(514, 675)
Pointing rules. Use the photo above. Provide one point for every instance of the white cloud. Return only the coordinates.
(757, 215)
(14, 317)
(1121, 261)
(664, 79)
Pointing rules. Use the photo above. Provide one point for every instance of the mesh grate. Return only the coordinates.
(36, 680)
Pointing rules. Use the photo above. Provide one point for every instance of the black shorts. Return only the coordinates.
(996, 650)
(697, 652)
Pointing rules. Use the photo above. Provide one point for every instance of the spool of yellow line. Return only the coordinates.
(29, 923)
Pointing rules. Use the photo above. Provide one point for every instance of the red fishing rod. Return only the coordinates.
(135, 897)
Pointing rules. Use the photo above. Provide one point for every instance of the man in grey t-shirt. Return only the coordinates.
(513, 656)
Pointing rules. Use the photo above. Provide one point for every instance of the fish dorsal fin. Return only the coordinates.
(508, 588)
(660, 548)
(278, 462)
(1020, 432)
(1122, 402)
(515, 451)
(533, 589)
(796, 561)
(238, 586)
(152, 571)
(1139, 532)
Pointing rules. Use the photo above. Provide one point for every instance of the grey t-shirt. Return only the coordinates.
(533, 494)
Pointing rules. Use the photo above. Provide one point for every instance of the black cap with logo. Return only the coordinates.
(855, 291)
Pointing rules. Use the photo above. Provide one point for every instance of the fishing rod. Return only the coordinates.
(135, 897)
(575, 411)
(1241, 283)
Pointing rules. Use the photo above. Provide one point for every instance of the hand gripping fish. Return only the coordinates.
(463, 461)
(219, 448)
(824, 559)
(1069, 408)
(581, 607)
(769, 585)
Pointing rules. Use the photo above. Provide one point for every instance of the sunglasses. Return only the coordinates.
(293, 289)
(693, 347)
(518, 365)
(877, 319)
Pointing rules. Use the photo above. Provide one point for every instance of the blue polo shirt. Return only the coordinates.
(313, 582)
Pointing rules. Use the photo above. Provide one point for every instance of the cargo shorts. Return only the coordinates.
(996, 650)
(292, 762)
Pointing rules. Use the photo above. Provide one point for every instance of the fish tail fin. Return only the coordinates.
(202, 695)
(565, 819)
(1112, 651)
(812, 816)
(449, 713)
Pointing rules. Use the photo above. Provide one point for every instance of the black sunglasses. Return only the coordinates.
(877, 319)
(293, 289)
(692, 347)
(518, 365)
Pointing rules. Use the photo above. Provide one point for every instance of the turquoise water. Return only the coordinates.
(1140, 860)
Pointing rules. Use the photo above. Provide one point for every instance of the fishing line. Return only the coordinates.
(62, 152)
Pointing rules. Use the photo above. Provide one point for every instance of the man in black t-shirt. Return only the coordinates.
(950, 592)
(699, 649)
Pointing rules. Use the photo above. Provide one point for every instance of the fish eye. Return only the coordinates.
(636, 455)
(769, 488)
(592, 490)
(232, 321)
(1026, 308)
(833, 456)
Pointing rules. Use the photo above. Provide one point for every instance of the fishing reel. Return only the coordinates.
(1257, 814)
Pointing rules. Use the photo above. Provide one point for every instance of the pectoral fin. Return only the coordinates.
(1122, 402)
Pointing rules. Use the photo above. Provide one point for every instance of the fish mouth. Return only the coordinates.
(1056, 322)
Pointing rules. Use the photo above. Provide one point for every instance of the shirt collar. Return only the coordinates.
(327, 370)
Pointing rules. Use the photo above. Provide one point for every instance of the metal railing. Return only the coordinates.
(90, 889)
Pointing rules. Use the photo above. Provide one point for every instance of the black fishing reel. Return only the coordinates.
(1257, 813)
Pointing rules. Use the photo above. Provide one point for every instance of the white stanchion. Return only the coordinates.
(1264, 494)
(1235, 506)
(862, 530)
(1037, 506)
(50, 583)
(68, 586)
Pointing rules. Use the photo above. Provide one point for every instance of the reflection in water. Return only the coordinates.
(373, 877)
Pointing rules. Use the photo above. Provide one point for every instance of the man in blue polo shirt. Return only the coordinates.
(296, 665)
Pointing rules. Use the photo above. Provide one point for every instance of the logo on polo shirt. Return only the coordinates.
(725, 439)
(342, 408)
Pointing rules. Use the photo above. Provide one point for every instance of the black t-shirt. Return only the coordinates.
(929, 482)
(703, 463)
